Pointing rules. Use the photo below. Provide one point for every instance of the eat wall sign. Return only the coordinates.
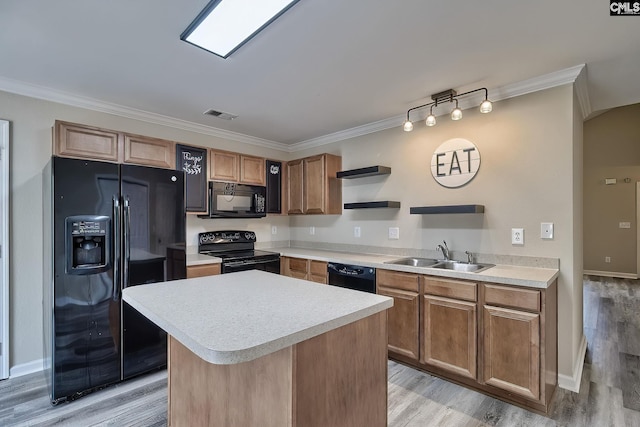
(455, 162)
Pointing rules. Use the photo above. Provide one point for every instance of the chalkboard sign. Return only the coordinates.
(193, 161)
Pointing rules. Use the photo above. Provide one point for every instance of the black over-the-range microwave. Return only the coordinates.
(231, 200)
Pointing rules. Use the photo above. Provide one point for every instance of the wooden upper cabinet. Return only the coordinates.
(295, 188)
(86, 142)
(234, 167)
(252, 170)
(223, 166)
(313, 185)
(143, 150)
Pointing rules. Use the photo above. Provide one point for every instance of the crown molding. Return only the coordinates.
(48, 94)
(576, 74)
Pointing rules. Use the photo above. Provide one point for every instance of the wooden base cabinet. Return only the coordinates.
(450, 326)
(306, 269)
(498, 339)
(404, 316)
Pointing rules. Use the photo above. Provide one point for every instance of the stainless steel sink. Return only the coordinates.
(414, 262)
(462, 266)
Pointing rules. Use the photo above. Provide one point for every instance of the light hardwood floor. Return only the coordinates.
(609, 393)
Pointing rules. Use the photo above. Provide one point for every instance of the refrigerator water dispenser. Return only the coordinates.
(88, 244)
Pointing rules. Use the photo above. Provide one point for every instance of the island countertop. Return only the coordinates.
(238, 317)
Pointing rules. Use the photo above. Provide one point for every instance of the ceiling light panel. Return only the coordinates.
(225, 25)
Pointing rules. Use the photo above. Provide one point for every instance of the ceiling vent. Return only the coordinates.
(219, 114)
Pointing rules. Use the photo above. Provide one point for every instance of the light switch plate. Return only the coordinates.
(517, 236)
(546, 230)
(625, 224)
(356, 231)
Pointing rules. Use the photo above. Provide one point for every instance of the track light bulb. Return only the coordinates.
(456, 114)
(408, 126)
(486, 106)
(431, 120)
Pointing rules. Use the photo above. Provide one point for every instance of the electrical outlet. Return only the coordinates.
(394, 233)
(356, 231)
(517, 236)
(312, 230)
(274, 229)
(607, 259)
(546, 230)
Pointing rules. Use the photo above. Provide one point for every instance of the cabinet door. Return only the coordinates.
(314, 185)
(318, 271)
(512, 350)
(223, 166)
(295, 188)
(86, 142)
(252, 170)
(450, 331)
(202, 270)
(403, 322)
(142, 150)
(294, 267)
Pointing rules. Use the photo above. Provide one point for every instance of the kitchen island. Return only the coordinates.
(259, 349)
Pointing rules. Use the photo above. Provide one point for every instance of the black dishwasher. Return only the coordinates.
(352, 277)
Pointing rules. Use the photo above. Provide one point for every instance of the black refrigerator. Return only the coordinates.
(106, 227)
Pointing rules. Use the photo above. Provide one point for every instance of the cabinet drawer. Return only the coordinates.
(526, 299)
(398, 280)
(450, 288)
(202, 270)
(297, 264)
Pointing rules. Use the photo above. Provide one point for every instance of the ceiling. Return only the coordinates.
(322, 67)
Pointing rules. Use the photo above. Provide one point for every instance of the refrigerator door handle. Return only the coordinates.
(116, 248)
(125, 241)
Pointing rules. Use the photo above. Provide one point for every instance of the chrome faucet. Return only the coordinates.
(445, 250)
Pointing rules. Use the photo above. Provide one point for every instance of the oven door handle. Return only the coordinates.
(246, 262)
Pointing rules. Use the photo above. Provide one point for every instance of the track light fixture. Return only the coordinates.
(449, 95)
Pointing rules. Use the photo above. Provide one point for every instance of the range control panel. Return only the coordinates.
(227, 236)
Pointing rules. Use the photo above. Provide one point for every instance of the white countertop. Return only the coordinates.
(199, 259)
(238, 317)
(533, 277)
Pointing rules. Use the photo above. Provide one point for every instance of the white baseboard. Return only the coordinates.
(611, 274)
(26, 368)
(573, 383)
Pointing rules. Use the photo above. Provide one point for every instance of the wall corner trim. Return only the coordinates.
(572, 383)
(582, 92)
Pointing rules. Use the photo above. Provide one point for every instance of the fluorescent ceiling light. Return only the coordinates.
(225, 25)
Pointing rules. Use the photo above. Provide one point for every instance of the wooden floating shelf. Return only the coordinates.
(372, 205)
(452, 209)
(363, 172)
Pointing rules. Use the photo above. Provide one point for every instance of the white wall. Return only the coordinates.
(530, 150)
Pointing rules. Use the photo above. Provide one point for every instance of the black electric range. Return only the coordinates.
(236, 249)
